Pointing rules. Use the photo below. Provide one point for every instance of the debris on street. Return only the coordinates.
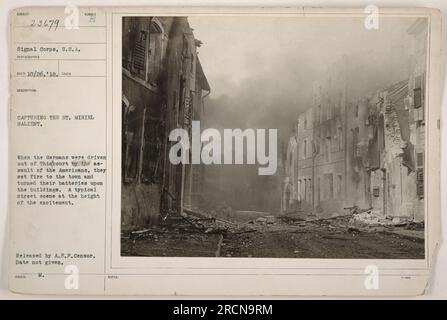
(364, 234)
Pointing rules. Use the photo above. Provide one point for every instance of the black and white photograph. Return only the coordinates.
(273, 136)
(221, 151)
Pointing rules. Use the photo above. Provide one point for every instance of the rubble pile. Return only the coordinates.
(266, 220)
(370, 217)
(375, 218)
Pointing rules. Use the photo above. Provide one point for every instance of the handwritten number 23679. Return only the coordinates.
(51, 24)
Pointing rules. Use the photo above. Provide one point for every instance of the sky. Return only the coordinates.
(261, 69)
(238, 49)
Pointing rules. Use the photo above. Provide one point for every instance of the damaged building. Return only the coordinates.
(163, 88)
(361, 152)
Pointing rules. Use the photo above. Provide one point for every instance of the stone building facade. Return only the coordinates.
(367, 152)
(163, 87)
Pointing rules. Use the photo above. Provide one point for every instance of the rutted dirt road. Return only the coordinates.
(332, 238)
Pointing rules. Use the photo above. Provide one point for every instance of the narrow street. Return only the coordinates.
(285, 238)
(316, 162)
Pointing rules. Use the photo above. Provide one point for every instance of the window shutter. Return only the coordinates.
(376, 192)
(139, 55)
(417, 94)
(420, 159)
(420, 182)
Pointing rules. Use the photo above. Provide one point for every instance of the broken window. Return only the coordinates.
(356, 134)
(376, 192)
(309, 190)
(330, 186)
(132, 136)
(356, 111)
(340, 187)
(417, 94)
(318, 190)
(303, 189)
(418, 99)
(155, 53)
(152, 149)
(305, 149)
(418, 114)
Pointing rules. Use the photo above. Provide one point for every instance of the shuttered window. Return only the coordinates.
(420, 159)
(420, 182)
(417, 94)
(139, 56)
(376, 192)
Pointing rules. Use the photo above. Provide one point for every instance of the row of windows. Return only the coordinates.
(305, 123)
(330, 112)
(305, 189)
(328, 187)
(324, 146)
(323, 115)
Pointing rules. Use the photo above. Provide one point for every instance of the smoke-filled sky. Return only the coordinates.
(287, 51)
(261, 69)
